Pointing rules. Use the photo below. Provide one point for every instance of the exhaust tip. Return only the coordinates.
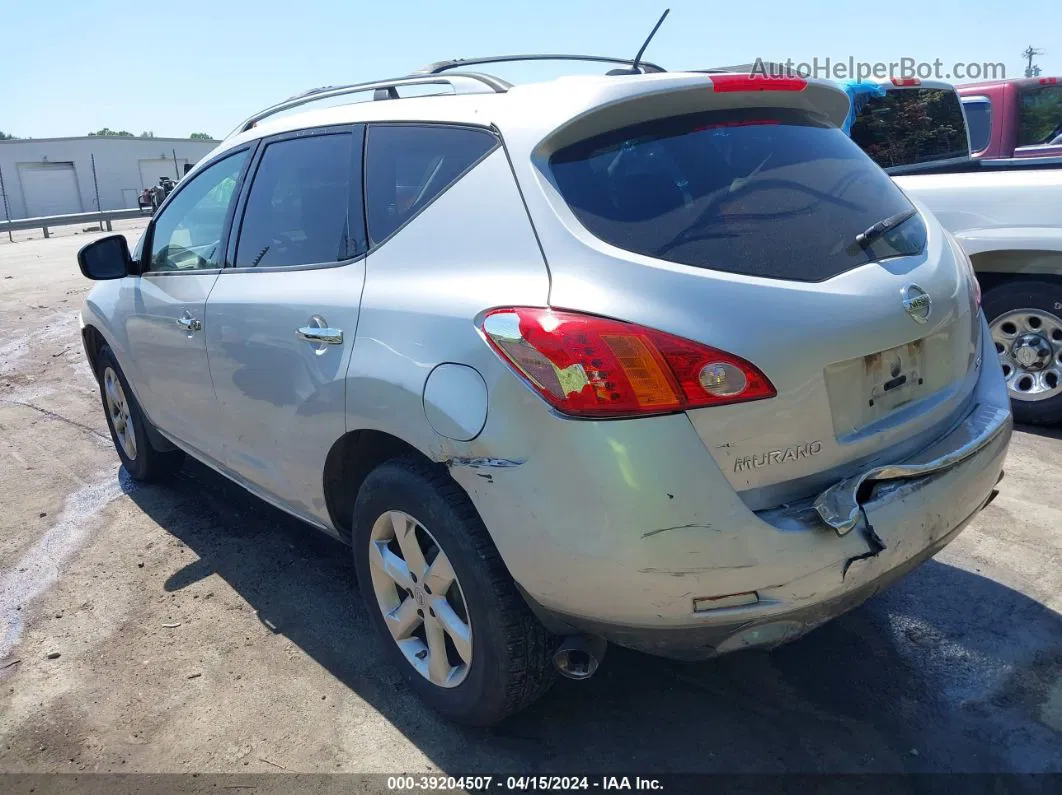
(579, 656)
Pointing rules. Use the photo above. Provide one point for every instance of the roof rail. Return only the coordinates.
(463, 82)
(442, 66)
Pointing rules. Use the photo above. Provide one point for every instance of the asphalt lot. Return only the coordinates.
(198, 629)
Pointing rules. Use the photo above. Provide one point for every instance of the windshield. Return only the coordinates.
(912, 125)
(771, 192)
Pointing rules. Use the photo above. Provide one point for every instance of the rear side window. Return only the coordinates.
(912, 125)
(1040, 121)
(407, 166)
(979, 120)
(304, 206)
(775, 193)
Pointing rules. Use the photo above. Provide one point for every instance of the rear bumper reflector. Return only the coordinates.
(709, 603)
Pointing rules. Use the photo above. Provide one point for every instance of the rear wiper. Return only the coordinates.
(872, 233)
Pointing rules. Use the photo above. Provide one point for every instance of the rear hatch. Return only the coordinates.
(733, 219)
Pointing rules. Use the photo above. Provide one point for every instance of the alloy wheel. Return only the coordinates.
(119, 411)
(421, 599)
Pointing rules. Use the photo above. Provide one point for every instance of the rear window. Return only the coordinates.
(775, 193)
(1040, 121)
(979, 120)
(408, 166)
(912, 125)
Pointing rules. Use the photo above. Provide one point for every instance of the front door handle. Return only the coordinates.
(189, 323)
(328, 336)
(320, 333)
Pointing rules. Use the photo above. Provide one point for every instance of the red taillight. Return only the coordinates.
(906, 82)
(722, 83)
(1048, 81)
(589, 366)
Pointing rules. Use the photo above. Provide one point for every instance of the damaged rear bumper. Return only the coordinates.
(911, 519)
(838, 506)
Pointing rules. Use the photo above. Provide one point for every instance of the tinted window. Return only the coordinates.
(773, 193)
(407, 166)
(1040, 121)
(187, 233)
(979, 120)
(912, 125)
(299, 209)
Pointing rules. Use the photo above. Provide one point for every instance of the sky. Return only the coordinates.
(175, 68)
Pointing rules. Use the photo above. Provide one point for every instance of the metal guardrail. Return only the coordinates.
(46, 222)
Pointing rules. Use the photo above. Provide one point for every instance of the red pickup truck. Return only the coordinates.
(1020, 117)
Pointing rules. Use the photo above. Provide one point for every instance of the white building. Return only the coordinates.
(54, 176)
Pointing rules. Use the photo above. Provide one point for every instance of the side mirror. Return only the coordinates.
(106, 258)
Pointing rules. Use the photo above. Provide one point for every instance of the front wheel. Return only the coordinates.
(128, 426)
(437, 590)
(1025, 317)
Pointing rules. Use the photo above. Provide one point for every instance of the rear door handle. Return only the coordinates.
(329, 336)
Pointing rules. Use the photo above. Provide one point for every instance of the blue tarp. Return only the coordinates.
(858, 94)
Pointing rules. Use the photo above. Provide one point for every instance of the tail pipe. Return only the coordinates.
(578, 656)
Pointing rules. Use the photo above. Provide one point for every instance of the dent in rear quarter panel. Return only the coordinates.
(471, 250)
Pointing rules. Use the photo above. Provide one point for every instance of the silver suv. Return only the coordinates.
(658, 359)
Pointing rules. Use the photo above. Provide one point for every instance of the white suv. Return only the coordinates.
(658, 359)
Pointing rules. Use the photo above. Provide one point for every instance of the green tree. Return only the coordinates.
(108, 132)
(7, 136)
(147, 134)
(201, 137)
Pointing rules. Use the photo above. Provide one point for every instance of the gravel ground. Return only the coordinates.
(191, 627)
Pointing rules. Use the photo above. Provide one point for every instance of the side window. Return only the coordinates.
(407, 166)
(187, 234)
(979, 121)
(1040, 120)
(300, 209)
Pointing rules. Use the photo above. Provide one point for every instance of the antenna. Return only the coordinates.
(656, 27)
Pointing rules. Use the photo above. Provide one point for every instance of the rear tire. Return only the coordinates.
(509, 652)
(1026, 313)
(128, 427)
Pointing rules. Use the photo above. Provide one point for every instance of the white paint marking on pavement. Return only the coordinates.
(52, 328)
(38, 569)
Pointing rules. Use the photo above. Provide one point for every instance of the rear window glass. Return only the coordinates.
(407, 166)
(1040, 121)
(775, 193)
(979, 120)
(912, 125)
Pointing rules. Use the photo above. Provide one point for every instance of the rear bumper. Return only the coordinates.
(698, 642)
(788, 612)
(630, 530)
